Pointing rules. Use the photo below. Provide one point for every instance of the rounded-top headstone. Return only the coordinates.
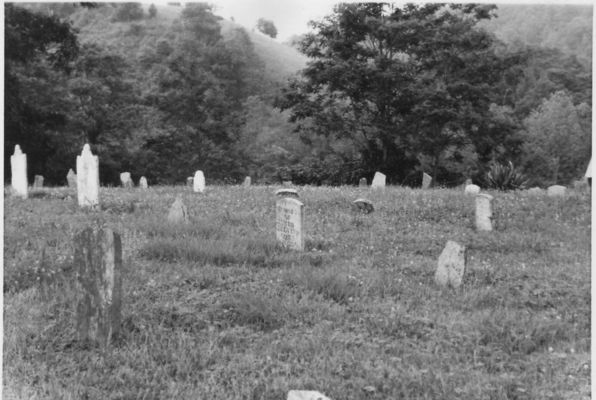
(143, 183)
(198, 183)
(556, 191)
(535, 191)
(17, 150)
(178, 212)
(286, 192)
(247, 181)
(18, 167)
(125, 179)
(451, 265)
(362, 182)
(472, 189)
(363, 205)
(87, 178)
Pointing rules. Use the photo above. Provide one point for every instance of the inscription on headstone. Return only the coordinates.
(451, 265)
(198, 184)
(378, 181)
(484, 212)
(426, 180)
(18, 168)
(290, 223)
(87, 178)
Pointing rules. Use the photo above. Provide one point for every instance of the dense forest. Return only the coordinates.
(162, 91)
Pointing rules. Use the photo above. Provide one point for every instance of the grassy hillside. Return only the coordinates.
(218, 310)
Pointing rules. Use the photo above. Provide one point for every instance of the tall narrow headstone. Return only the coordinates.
(178, 212)
(378, 181)
(143, 183)
(87, 178)
(452, 265)
(71, 178)
(247, 181)
(289, 223)
(126, 180)
(426, 180)
(38, 182)
(98, 259)
(18, 168)
(484, 212)
(362, 182)
(198, 184)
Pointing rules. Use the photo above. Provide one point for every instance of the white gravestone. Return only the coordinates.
(38, 182)
(18, 167)
(378, 181)
(306, 395)
(71, 178)
(87, 178)
(484, 212)
(472, 189)
(451, 265)
(143, 183)
(289, 223)
(247, 181)
(126, 180)
(426, 180)
(198, 182)
(555, 191)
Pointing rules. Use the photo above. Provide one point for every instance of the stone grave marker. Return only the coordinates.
(18, 169)
(306, 395)
(98, 284)
(468, 182)
(71, 178)
(289, 223)
(426, 180)
(363, 205)
(189, 181)
(287, 183)
(472, 189)
(198, 183)
(143, 183)
(362, 182)
(588, 174)
(178, 212)
(286, 192)
(484, 212)
(87, 178)
(38, 182)
(247, 181)
(556, 191)
(451, 265)
(535, 191)
(126, 180)
(378, 181)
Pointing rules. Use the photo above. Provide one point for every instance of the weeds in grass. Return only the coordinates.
(331, 283)
(251, 309)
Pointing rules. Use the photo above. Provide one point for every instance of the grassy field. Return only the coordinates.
(217, 310)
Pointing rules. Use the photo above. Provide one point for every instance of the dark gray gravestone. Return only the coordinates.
(98, 261)
(178, 212)
(38, 182)
(362, 182)
(363, 205)
(190, 181)
(426, 180)
(286, 192)
(71, 178)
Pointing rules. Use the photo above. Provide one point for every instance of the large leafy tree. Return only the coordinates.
(410, 86)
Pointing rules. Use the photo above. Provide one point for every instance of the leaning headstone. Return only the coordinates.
(484, 212)
(87, 178)
(71, 178)
(306, 395)
(178, 212)
(126, 180)
(198, 183)
(98, 294)
(472, 189)
(452, 265)
(556, 191)
(378, 181)
(289, 223)
(426, 180)
(363, 182)
(38, 182)
(247, 181)
(143, 183)
(535, 191)
(363, 205)
(189, 181)
(284, 192)
(18, 168)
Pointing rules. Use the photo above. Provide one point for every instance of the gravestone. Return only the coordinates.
(87, 178)
(189, 181)
(286, 192)
(468, 182)
(98, 284)
(71, 178)
(472, 189)
(198, 182)
(363, 182)
(38, 182)
(535, 191)
(556, 191)
(306, 395)
(143, 183)
(126, 180)
(18, 169)
(378, 181)
(287, 183)
(484, 212)
(247, 181)
(588, 175)
(426, 180)
(451, 265)
(289, 223)
(363, 205)
(178, 212)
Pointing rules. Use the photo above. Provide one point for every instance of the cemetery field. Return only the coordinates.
(216, 309)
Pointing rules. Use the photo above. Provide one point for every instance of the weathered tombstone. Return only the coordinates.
(468, 182)
(126, 180)
(378, 181)
(451, 265)
(426, 180)
(143, 183)
(178, 212)
(472, 189)
(71, 178)
(556, 191)
(247, 181)
(306, 395)
(535, 191)
(287, 183)
(484, 212)
(363, 205)
(363, 182)
(198, 183)
(286, 192)
(289, 223)
(189, 181)
(87, 178)
(38, 182)
(18, 168)
(98, 259)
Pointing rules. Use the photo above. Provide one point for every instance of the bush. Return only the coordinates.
(505, 177)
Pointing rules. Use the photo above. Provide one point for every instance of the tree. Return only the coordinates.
(267, 27)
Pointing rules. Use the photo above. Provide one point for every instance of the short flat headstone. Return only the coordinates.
(426, 180)
(289, 223)
(287, 183)
(71, 178)
(247, 181)
(484, 212)
(535, 191)
(38, 182)
(363, 205)
(306, 395)
(18, 169)
(189, 181)
(98, 261)
(198, 183)
(556, 191)
(178, 212)
(143, 183)
(126, 180)
(87, 178)
(472, 189)
(378, 181)
(362, 182)
(451, 265)
(284, 192)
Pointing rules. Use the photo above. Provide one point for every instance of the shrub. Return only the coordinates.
(505, 177)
